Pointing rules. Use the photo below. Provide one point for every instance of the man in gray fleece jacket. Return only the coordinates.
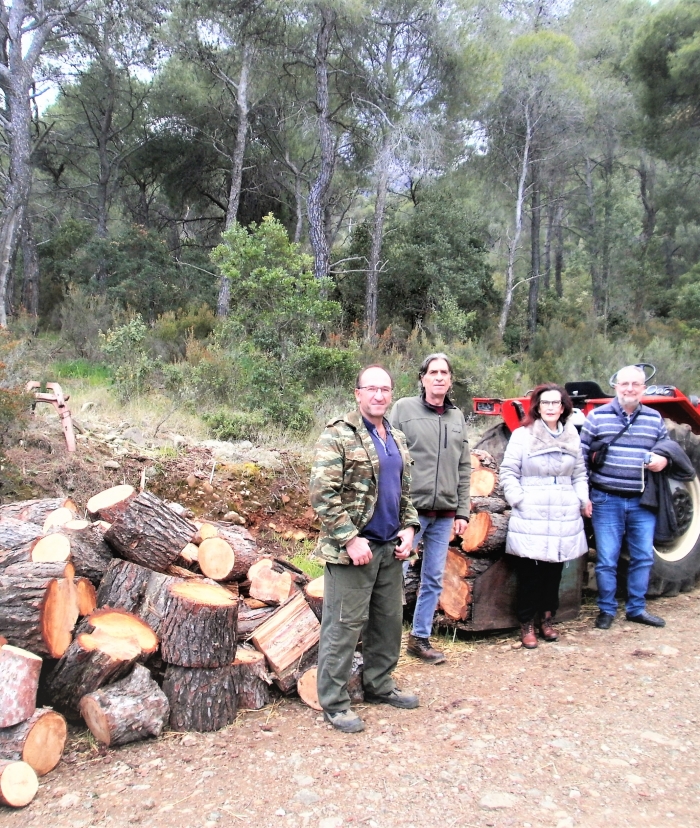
(436, 434)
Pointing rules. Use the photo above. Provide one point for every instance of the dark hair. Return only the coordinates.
(534, 413)
(423, 370)
(358, 379)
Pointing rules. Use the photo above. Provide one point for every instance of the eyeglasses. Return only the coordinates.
(550, 402)
(373, 390)
(629, 384)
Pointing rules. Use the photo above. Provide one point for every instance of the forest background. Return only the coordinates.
(225, 208)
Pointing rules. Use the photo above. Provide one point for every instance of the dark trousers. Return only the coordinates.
(360, 599)
(538, 587)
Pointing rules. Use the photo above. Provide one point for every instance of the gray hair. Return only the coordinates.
(632, 368)
(423, 370)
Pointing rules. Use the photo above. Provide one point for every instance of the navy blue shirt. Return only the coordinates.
(384, 524)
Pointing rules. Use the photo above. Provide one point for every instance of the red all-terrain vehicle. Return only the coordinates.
(677, 564)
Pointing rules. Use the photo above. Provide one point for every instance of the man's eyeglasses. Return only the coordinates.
(372, 390)
(550, 402)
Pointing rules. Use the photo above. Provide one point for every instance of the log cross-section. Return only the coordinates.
(39, 741)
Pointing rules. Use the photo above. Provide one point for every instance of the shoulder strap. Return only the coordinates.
(620, 433)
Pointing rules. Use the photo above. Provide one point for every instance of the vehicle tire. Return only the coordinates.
(677, 564)
(495, 441)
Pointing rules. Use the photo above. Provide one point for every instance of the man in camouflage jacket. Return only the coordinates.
(359, 488)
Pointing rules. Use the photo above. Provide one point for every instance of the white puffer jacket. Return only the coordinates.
(544, 480)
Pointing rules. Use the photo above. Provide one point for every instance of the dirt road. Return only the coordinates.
(600, 729)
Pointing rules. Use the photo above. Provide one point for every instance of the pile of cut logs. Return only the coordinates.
(135, 617)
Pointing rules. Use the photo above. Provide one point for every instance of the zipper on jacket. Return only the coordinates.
(437, 464)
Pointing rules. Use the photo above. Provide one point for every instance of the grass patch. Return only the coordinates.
(92, 373)
(302, 559)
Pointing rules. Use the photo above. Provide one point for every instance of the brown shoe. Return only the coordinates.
(547, 628)
(527, 635)
(420, 648)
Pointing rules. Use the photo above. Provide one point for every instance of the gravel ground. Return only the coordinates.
(599, 729)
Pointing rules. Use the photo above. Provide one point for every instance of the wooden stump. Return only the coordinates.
(199, 627)
(455, 598)
(19, 681)
(35, 511)
(18, 784)
(109, 504)
(306, 688)
(486, 533)
(52, 547)
(38, 606)
(269, 583)
(314, 596)
(17, 539)
(149, 533)
(90, 554)
(125, 625)
(251, 679)
(39, 741)
(128, 711)
(286, 639)
(138, 590)
(229, 555)
(200, 700)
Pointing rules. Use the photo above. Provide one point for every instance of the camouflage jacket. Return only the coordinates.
(343, 486)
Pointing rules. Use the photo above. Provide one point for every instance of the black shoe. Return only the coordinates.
(346, 721)
(420, 648)
(396, 698)
(604, 620)
(647, 618)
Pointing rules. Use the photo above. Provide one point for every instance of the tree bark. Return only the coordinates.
(372, 288)
(20, 671)
(35, 511)
(318, 194)
(200, 700)
(535, 230)
(30, 263)
(127, 711)
(251, 679)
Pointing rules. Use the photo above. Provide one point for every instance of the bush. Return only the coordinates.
(234, 425)
(319, 366)
(82, 318)
(124, 348)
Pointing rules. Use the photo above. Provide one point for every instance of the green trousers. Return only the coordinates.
(363, 599)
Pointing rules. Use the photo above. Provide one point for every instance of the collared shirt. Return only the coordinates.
(384, 524)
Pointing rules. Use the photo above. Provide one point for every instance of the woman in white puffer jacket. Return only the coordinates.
(544, 480)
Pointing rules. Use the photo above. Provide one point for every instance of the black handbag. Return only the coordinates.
(598, 450)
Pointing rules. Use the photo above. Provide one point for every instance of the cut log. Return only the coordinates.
(251, 614)
(455, 598)
(36, 511)
(39, 741)
(286, 639)
(229, 555)
(138, 590)
(483, 482)
(314, 595)
(18, 784)
(118, 623)
(199, 626)
(486, 533)
(306, 688)
(148, 533)
(59, 517)
(200, 700)
(190, 553)
(251, 679)
(17, 539)
(268, 584)
(109, 504)
(87, 596)
(91, 661)
(38, 606)
(53, 547)
(495, 505)
(90, 553)
(19, 681)
(128, 711)
(78, 524)
(205, 531)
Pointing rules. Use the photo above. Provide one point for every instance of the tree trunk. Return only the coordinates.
(200, 700)
(372, 288)
(39, 741)
(251, 679)
(110, 504)
(535, 224)
(89, 552)
(35, 511)
(318, 194)
(548, 238)
(514, 245)
(559, 250)
(128, 711)
(597, 283)
(20, 671)
(30, 263)
(17, 540)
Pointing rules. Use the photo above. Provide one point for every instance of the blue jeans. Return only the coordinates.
(613, 518)
(435, 533)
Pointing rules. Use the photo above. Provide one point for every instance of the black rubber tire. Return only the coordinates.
(677, 565)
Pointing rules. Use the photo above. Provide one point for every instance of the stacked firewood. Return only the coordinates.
(143, 618)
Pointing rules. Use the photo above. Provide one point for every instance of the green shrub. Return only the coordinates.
(319, 366)
(234, 425)
(124, 347)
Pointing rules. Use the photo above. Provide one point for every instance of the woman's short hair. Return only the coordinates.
(534, 413)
